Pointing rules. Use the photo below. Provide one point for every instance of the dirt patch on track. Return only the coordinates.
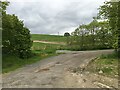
(61, 43)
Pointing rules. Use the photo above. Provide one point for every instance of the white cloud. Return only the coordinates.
(53, 16)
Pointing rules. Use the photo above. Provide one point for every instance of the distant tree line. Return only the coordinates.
(15, 36)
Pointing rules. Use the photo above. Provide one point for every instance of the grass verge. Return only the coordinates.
(106, 65)
(11, 63)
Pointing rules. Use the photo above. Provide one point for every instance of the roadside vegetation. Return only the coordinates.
(39, 51)
(16, 38)
(106, 65)
(11, 62)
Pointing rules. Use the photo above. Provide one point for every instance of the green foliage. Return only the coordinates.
(15, 37)
(95, 35)
(110, 11)
(66, 34)
(11, 62)
(118, 25)
(3, 5)
(100, 35)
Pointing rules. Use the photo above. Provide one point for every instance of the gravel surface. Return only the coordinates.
(54, 72)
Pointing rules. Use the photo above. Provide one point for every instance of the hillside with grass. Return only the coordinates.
(50, 38)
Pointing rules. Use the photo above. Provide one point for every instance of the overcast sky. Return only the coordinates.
(53, 16)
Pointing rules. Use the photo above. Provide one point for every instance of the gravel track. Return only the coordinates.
(54, 72)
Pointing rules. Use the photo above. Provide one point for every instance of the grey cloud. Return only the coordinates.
(53, 16)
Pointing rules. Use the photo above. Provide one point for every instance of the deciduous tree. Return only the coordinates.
(16, 39)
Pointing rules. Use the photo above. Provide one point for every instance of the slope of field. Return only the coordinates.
(50, 38)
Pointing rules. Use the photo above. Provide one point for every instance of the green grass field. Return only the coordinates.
(51, 38)
(45, 47)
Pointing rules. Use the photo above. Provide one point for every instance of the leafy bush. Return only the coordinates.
(16, 38)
